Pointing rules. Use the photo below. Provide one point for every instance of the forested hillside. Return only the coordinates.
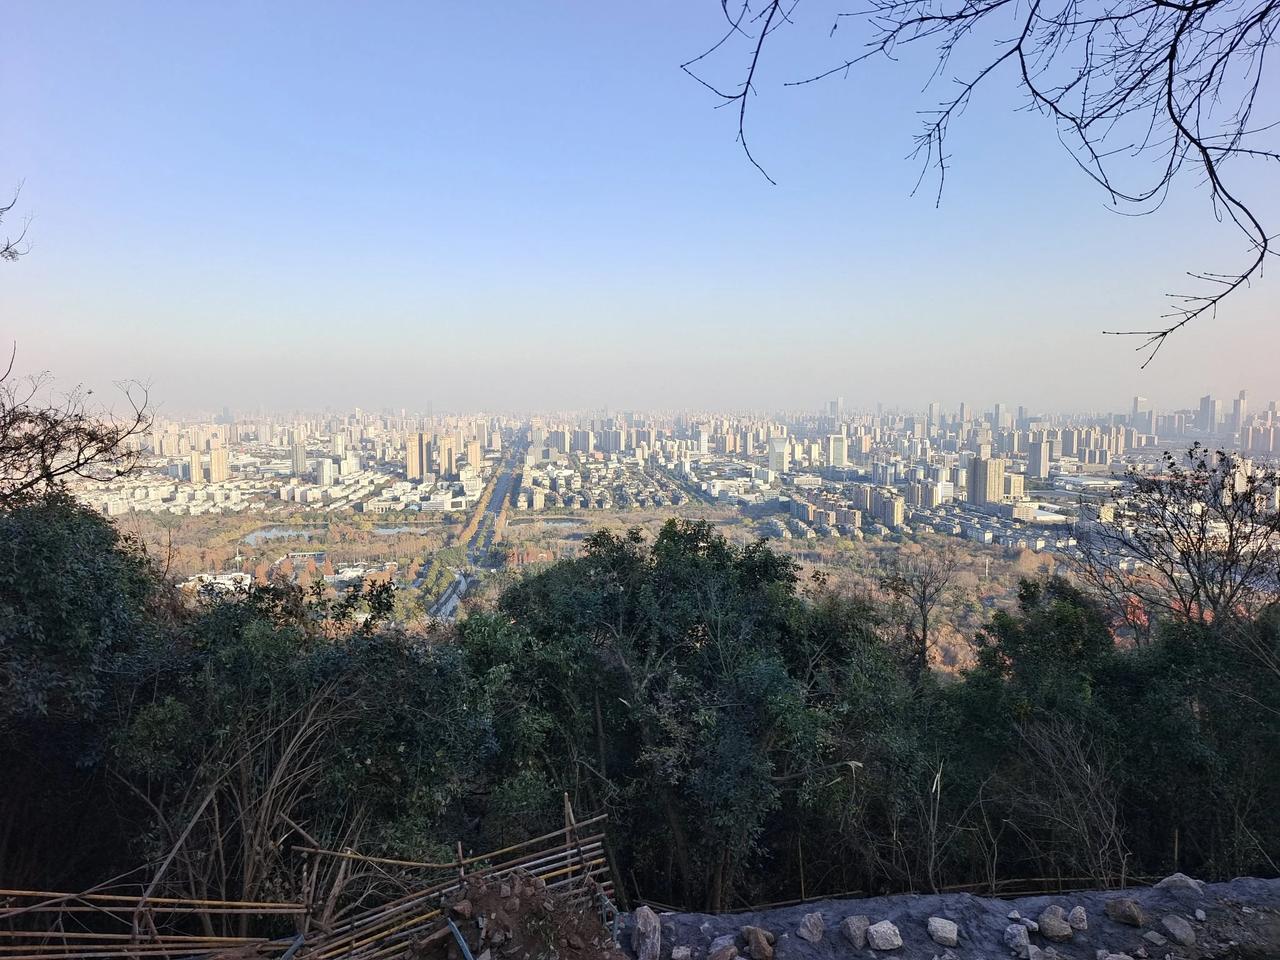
(751, 736)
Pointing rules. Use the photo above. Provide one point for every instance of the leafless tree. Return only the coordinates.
(1198, 541)
(1065, 802)
(1180, 83)
(11, 248)
(47, 438)
(919, 584)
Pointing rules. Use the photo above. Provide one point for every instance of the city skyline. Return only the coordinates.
(1224, 408)
(1001, 475)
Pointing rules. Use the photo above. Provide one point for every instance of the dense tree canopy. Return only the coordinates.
(750, 735)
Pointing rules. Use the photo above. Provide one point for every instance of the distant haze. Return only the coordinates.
(477, 206)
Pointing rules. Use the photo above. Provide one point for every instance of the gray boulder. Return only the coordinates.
(1180, 881)
(1054, 925)
(855, 930)
(944, 932)
(1124, 910)
(1078, 918)
(1179, 929)
(681, 953)
(884, 936)
(646, 935)
(1016, 938)
(811, 927)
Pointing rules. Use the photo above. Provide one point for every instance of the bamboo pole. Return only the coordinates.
(453, 865)
(134, 898)
(91, 935)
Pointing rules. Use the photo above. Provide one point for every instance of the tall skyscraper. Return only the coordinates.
(299, 458)
(779, 459)
(986, 481)
(1210, 414)
(1038, 460)
(219, 468)
(837, 450)
(194, 468)
(1239, 411)
(446, 449)
(417, 456)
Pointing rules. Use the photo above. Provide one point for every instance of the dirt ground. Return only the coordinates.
(516, 917)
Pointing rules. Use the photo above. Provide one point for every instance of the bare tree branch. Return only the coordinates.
(1175, 82)
(47, 438)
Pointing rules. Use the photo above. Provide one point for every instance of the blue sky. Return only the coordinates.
(528, 204)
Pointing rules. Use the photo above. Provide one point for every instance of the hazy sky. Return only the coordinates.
(488, 205)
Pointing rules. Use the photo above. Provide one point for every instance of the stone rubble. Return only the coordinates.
(1160, 927)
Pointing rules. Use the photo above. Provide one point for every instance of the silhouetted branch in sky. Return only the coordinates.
(46, 438)
(1180, 84)
(11, 248)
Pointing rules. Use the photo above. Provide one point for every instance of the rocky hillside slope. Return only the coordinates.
(1177, 918)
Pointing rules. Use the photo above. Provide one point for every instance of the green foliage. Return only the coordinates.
(747, 733)
(73, 602)
(686, 686)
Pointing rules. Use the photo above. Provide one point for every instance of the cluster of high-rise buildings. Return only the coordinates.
(1237, 426)
(837, 465)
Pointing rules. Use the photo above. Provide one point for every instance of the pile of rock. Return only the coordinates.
(1128, 911)
(757, 943)
(1055, 923)
(884, 935)
(1180, 917)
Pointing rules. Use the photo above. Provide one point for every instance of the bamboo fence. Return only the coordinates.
(107, 924)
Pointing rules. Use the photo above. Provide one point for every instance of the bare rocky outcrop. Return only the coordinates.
(1181, 918)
